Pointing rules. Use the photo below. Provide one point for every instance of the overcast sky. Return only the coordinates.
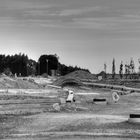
(86, 33)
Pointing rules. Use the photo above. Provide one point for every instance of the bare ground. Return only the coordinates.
(30, 116)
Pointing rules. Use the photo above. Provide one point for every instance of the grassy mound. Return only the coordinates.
(76, 77)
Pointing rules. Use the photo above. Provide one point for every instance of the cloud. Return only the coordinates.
(62, 11)
(44, 14)
(69, 12)
(93, 23)
(65, 17)
(115, 24)
(23, 4)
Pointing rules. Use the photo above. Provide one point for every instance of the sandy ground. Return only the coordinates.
(76, 138)
(29, 115)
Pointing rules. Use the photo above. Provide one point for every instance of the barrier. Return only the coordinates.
(100, 101)
(134, 118)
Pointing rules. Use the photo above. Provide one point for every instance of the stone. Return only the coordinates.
(56, 107)
(62, 100)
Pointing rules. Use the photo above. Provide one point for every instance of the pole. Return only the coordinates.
(38, 67)
(47, 66)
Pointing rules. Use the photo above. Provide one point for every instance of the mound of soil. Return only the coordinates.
(82, 75)
(9, 82)
(76, 77)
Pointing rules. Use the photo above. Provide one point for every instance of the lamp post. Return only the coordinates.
(39, 67)
(47, 65)
(27, 66)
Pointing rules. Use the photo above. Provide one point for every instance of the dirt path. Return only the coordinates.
(60, 125)
(18, 122)
(58, 121)
(76, 138)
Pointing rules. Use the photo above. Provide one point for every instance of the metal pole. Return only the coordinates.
(39, 67)
(27, 68)
(47, 66)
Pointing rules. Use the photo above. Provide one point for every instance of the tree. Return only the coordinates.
(126, 71)
(105, 67)
(7, 72)
(132, 68)
(139, 67)
(113, 69)
(47, 63)
(31, 67)
(121, 70)
(15, 63)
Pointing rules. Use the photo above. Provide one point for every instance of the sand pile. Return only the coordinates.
(82, 75)
(9, 82)
(75, 77)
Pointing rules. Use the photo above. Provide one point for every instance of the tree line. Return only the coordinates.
(21, 65)
(126, 71)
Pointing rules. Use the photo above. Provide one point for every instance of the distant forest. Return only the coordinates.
(21, 65)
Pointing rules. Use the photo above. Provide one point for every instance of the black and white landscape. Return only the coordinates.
(69, 69)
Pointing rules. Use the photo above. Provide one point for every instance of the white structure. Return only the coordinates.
(115, 96)
(100, 77)
(70, 96)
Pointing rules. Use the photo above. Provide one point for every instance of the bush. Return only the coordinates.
(7, 72)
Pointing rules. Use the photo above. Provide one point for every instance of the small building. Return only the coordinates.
(101, 75)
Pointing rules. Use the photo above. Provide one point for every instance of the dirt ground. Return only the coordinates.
(28, 114)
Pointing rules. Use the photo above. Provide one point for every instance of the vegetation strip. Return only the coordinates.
(120, 133)
(112, 86)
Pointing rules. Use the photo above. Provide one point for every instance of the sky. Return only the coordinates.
(86, 33)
